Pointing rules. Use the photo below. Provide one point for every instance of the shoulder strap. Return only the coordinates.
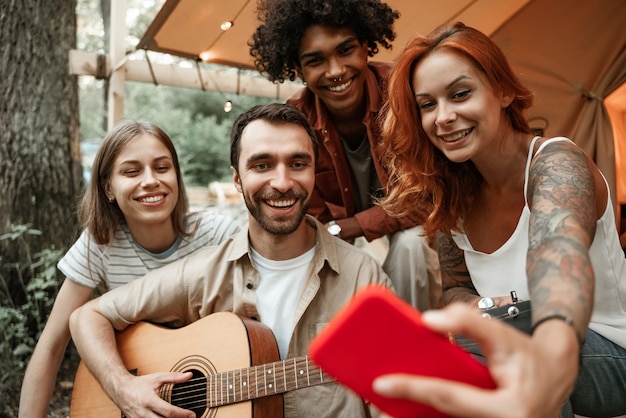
(531, 154)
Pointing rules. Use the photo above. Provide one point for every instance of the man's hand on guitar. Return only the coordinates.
(138, 396)
(534, 375)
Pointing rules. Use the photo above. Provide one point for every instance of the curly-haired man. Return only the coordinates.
(327, 44)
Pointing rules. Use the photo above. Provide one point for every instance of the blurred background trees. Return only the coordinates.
(40, 174)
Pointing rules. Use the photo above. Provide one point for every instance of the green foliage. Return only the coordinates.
(90, 27)
(194, 119)
(204, 151)
(211, 103)
(196, 122)
(21, 324)
(93, 112)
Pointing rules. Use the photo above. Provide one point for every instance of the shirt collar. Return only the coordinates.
(325, 246)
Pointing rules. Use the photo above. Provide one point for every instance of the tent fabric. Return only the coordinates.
(191, 28)
(594, 130)
(573, 56)
(570, 53)
(561, 51)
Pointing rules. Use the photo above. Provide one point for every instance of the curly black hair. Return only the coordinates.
(276, 42)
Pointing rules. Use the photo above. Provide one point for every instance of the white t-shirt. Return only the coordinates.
(123, 260)
(278, 293)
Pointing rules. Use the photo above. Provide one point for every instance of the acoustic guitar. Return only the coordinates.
(237, 371)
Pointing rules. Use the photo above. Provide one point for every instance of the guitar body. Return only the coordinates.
(217, 343)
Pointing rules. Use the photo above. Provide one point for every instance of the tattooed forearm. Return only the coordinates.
(562, 197)
(456, 282)
(561, 283)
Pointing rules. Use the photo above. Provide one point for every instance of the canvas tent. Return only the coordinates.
(572, 53)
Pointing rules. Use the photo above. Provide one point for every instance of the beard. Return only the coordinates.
(277, 224)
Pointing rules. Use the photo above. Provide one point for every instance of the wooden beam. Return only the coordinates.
(226, 81)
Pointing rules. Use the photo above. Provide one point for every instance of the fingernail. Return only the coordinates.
(382, 385)
(433, 316)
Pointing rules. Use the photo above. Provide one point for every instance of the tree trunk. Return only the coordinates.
(40, 167)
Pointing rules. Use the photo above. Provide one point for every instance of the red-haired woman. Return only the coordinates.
(511, 211)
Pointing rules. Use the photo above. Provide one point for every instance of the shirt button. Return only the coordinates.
(249, 286)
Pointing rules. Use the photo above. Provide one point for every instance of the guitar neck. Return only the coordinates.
(264, 380)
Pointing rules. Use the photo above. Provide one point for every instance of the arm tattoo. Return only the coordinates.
(457, 284)
(561, 194)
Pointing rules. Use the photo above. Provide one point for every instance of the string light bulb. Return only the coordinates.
(228, 106)
(226, 25)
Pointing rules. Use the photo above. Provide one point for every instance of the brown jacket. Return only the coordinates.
(334, 195)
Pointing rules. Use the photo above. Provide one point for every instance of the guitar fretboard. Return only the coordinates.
(263, 380)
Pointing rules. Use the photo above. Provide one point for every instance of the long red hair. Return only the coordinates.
(418, 171)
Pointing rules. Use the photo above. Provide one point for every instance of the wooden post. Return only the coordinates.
(118, 57)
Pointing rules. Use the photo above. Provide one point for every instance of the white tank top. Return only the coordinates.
(504, 270)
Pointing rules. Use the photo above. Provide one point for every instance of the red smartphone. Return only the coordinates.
(377, 333)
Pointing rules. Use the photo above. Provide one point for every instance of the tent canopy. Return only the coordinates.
(560, 50)
(192, 28)
(572, 54)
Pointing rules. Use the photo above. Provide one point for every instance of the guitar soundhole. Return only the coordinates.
(191, 394)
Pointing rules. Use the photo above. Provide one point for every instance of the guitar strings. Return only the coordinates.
(189, 397)
(187, 394)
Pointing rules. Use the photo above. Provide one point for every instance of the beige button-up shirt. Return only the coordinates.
(223, 278)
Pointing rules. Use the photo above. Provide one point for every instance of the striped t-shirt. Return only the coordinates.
(123, 260)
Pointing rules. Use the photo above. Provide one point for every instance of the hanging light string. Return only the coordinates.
(225, 26)
(154, 80)
(200, 75)
(228, 104)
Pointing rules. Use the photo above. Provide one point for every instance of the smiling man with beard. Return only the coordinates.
(327, 45)
(284, 270)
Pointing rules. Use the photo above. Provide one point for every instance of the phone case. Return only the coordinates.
(377, 333)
